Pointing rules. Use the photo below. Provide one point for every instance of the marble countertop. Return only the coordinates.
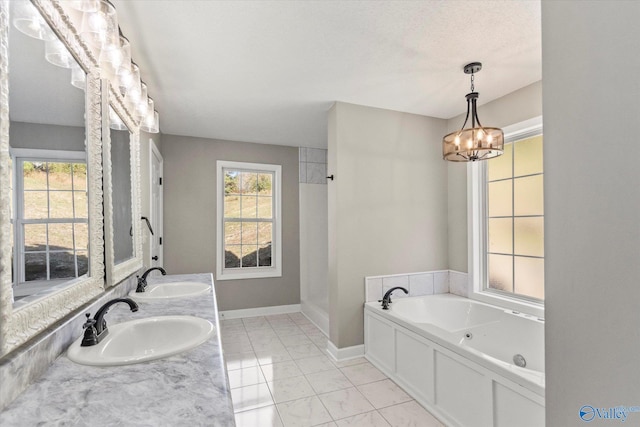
(187, 389)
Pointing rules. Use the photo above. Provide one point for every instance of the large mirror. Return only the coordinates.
(51, 254)
(121, 174)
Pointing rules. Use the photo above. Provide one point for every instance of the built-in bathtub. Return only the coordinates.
(456, 357)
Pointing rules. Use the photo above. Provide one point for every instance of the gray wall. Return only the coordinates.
(47, 137)
(190, 217)
(592, 205)
(387, 205)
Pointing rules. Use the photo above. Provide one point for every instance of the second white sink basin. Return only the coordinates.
(142, 340)
(171, 290)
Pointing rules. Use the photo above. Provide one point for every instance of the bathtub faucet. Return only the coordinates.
(386, 299)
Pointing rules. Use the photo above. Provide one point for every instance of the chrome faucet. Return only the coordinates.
(142, 281)
(96, 329)
(386, 299)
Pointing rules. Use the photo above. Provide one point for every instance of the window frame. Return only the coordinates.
(275, 270)
(18, 157)
(477, 219)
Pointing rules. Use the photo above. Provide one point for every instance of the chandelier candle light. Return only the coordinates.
(477, 142)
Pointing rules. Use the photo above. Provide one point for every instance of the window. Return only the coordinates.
(51, 227)
(506, 218)
(515, 220)
(248, 241)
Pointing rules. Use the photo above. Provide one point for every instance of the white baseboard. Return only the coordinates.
(340, 354)
(317, 316)
(259, 311)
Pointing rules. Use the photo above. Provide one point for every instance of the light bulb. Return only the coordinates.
(469, 143)
(457, 140)
(480, 135)
(489, 138)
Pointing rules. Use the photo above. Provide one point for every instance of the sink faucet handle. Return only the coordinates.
(90, 322)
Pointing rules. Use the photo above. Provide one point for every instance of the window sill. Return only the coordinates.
(260, 274)
(526, 307)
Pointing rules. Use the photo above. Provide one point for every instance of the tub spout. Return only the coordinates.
(386, 299)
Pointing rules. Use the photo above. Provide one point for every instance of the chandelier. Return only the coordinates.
(477, 142)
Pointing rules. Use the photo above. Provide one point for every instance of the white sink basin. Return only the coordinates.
(171, 290)
(142, 340)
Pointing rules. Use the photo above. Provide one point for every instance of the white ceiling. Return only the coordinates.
(268, 71)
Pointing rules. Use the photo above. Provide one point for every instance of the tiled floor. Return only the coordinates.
(280, 375)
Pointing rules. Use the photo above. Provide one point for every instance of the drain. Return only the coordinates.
(468, 335)
(519, 360)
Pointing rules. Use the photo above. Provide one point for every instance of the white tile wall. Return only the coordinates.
(421, 284)
(393, 281)
(313, 165)
(458, 283)
(425, 283)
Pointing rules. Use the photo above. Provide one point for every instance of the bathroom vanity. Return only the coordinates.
(190, 388)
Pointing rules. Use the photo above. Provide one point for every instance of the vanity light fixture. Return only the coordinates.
(28, 21)
(97, 24)
(477, 142)
(151, 122)
(56, 53)
(78, 77)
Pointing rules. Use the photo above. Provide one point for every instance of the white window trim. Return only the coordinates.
(476, 201)
(275, 270)
(26, 155)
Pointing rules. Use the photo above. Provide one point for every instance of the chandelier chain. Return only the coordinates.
(472, 79)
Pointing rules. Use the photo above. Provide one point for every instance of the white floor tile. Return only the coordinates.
(231, 323)
(237, 347)
(319, 340)
(345, 403)
(292, 388)
(246, 376)
(251, 397)
(267, 357)
(281, 370)
(240, 360)
(272, 345)
(287, 330)
(384, 393)
(310, 329)
(277, 317)
(260, 332)
(409, 414)
(324, 382)
(298, 339)
(257, 322)
(363, 373)
(303, 351)
(235, 337)
(368, 419)
(303, 412)
(262, 417)
(351, 362)
(298, 317)
(311, 365)
(279, 323)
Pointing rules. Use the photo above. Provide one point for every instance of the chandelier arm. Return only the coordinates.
(466, 118)
(475, 113)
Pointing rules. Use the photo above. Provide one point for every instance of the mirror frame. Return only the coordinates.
(17, 325)
(118, 272)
